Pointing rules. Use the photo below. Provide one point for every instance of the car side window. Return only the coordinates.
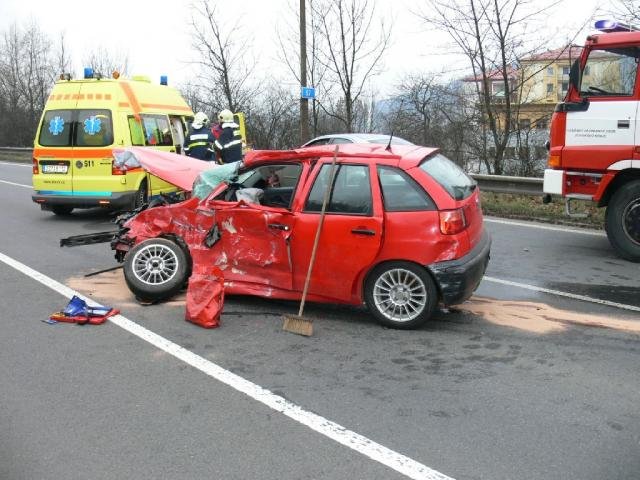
(350, 194)
(339, 141)
(276, 184)
(401, 193)
(322, 141)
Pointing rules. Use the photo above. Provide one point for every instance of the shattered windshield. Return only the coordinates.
(208, 180)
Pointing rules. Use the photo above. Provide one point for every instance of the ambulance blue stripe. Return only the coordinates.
(75, 194)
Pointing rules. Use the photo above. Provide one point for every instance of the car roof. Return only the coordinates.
(358, 137)
(404, 156)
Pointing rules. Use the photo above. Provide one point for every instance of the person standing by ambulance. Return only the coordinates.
(199, 141)
(228, 145)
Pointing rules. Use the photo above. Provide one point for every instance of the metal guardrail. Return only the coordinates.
(488, 183)
(505, 184)
(16, 154)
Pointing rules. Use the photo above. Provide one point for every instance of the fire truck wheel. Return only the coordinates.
(622, 221)
(156, 269)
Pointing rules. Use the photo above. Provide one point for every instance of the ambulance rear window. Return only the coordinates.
(93, 128)
(76, 128)
(56, 128)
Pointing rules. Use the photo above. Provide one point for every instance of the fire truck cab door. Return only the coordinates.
(604, 131)
(610, 125)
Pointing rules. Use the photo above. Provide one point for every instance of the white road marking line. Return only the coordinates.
(546, 227)
(560, 293)
(379, 453)
(16, 184)
(17, 164)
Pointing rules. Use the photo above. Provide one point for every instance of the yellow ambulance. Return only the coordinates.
(83, 121)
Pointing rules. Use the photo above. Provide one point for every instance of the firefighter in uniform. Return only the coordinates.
(199, 141)
(228, 145)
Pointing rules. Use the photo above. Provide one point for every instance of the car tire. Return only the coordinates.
(141, 195)
(156, 269)
(622, 221)
(61, 210)
(400, 295)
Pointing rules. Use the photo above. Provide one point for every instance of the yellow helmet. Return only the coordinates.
(225, 116)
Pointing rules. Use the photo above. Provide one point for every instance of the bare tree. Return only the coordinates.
(274, 119)
(493, 35)
(105, 63)
(351, 51)
(27, 71)
(289, 55)
(628, 10)
(225, 66)
(429, 112)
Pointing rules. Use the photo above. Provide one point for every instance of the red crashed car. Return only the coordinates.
(403, 231)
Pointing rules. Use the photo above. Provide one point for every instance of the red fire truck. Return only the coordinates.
(594, 150)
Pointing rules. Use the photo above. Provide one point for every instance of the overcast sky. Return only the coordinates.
(155, 34)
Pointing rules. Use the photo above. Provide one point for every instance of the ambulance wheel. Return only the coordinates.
(156, 269)
(141, 195)
(622, 221)
(400, 295)
(61, 209)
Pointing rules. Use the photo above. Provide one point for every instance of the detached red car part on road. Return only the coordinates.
(403, 231)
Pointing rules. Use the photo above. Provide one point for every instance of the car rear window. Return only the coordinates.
(451, 177)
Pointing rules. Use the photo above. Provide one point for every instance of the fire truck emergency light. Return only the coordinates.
(610, 26)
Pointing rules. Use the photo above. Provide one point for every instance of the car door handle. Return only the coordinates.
(279, 226)
(363, 231)
(624, 123)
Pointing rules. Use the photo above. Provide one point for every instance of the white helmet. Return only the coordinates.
(225, 116)
(200, 120)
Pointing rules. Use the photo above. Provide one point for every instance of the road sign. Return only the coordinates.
(308, 92)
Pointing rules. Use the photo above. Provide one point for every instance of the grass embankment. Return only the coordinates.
(526, 207)
(15, 156)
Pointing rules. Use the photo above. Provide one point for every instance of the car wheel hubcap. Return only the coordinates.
(155, 264)
(400, 295)
(631, 221)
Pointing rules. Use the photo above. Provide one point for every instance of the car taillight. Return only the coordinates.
(118, 171)
(452, 221)
(35, 165)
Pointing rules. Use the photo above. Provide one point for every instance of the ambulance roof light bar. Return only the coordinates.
(610, 26)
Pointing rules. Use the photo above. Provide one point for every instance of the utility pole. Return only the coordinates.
(304, 102)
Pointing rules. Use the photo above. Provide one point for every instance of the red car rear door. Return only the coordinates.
(351, 236)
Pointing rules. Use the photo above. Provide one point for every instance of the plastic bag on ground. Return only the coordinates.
(205, 297)
(77, 311)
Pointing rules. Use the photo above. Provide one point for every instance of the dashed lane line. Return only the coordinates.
(27, 165)
(594, 233)
(16, 184)
(560, 293)
(379, 453)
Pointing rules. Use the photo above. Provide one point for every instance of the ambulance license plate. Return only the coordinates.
(62, 167)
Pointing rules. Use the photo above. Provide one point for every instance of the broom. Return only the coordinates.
(297, 323)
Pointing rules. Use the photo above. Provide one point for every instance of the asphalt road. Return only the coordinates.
(519, 384)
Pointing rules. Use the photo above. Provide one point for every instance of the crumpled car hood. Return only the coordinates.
(179, 170)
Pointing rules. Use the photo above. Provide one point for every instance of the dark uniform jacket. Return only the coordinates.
(229, 145)
(199, 143)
